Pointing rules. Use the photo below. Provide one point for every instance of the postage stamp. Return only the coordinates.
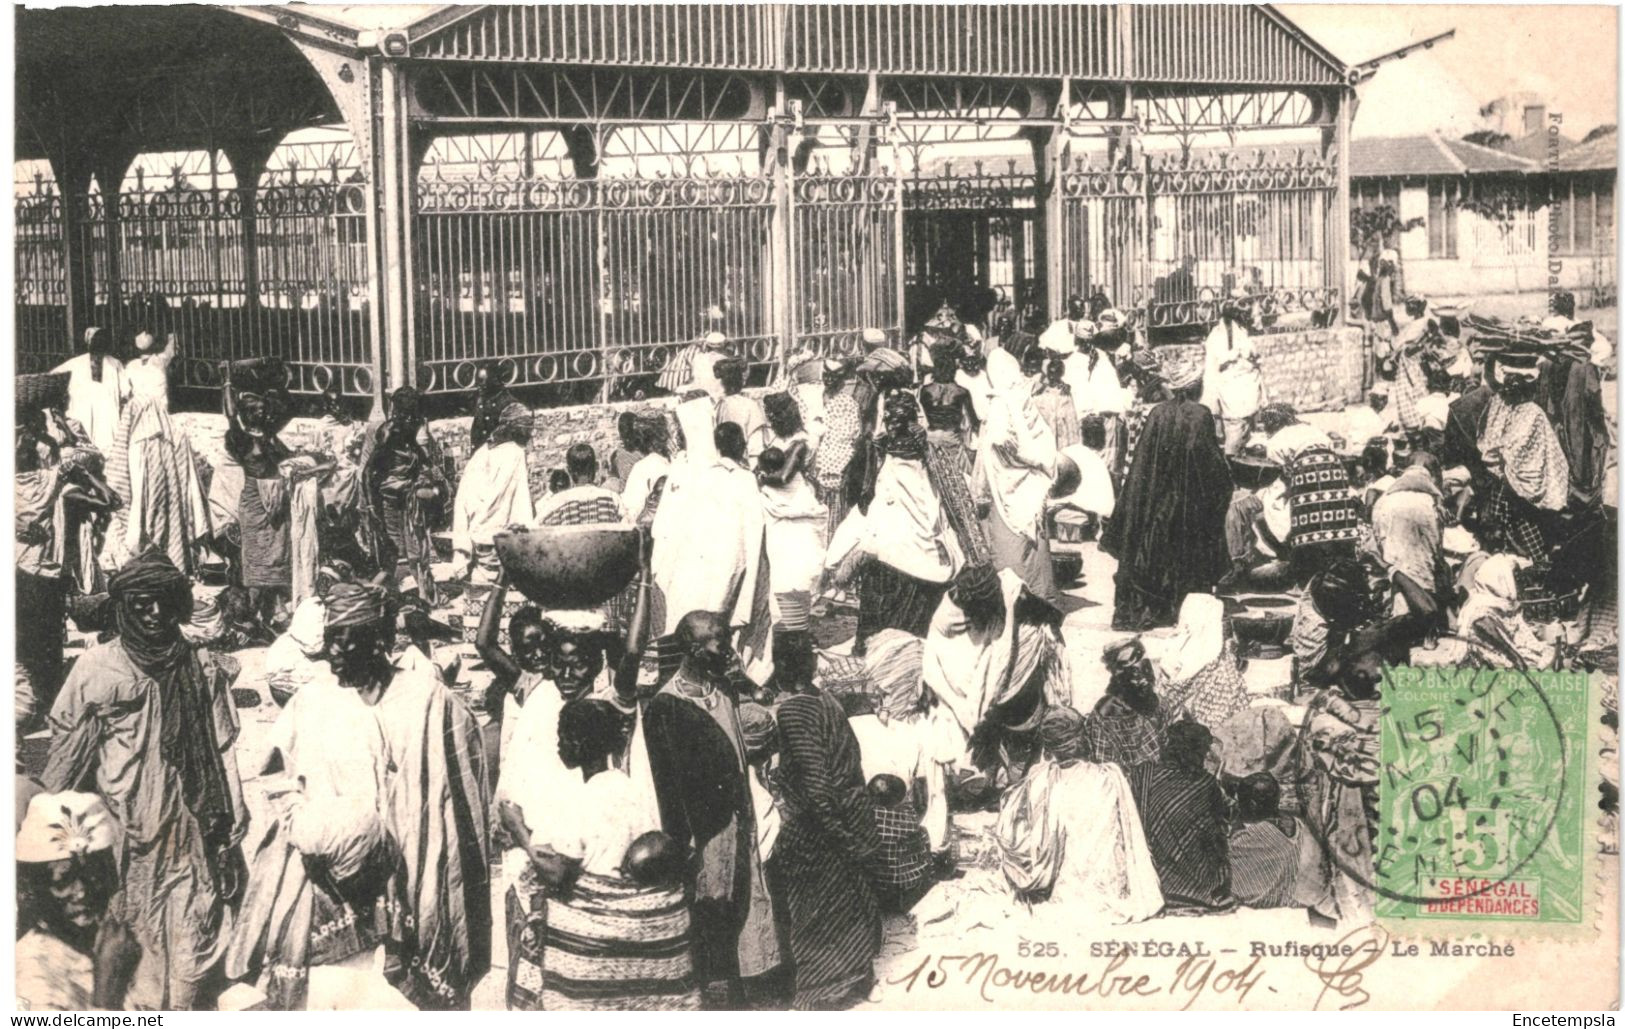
(1483, 805)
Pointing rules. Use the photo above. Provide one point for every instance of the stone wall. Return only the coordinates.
(1313, 370)
(557, 429)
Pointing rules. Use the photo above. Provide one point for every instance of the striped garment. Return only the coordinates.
(165, 509)
(1276, 863)
(890, 599)
(948, 464)
(610, 945)
(1323, 509)
(821, 864)
(1183, 812)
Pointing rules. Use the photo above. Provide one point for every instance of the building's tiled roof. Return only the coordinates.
(1415, 156)
(1601, 154)
(1533, 146)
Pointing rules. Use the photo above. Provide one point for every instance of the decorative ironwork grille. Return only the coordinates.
(283, 276)
(1174, 237)
(1259, 223)
(977, 229)
(40, 287)
(1101, 231)
(578, 281)
(845, 244)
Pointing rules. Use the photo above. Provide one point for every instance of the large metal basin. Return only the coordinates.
(569, 566)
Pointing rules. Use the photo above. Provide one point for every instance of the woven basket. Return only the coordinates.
(42, 390)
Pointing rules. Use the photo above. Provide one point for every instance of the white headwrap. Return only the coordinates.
(59, 826)
(308, 625)
(1198, 640)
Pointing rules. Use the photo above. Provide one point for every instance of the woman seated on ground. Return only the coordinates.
(1338, 765)
(1069, 835)
(1185, 818)
(826, 857)
(1492, 616)
(1275, 861)
(1345, 612)
(1202, 678)
(1129, 725)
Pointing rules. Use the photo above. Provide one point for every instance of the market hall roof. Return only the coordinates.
(1193, 43)
(1407, 157)
(1171, 43)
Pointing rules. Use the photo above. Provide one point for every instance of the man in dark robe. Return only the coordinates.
(696, 757)
(491, 398)
(1168, 531)
(147, 722)
(436, 810)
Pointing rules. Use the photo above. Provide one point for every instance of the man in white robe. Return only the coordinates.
(96, 389)
(494, 491)
(710, 529)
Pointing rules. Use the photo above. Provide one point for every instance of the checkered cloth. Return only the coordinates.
(596, 511)
(1506, 511)
(905, 850)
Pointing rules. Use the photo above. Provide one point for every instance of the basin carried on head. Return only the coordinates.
(569, 566)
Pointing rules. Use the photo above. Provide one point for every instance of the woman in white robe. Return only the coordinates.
(151, 467)
(1070, 836)
(1018, 458)
(708, 532)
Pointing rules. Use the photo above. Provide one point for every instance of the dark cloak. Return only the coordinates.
(1168, 531)
(1571, 394)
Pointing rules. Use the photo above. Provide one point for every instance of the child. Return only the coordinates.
(558, 480)
(905, 872)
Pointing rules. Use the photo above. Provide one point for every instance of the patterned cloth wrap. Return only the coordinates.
(905, 850)
(610, 945)
(1323, 509)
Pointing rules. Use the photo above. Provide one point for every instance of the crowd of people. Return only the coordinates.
(696, 793)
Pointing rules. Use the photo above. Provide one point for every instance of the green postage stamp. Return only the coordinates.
(1484, 799)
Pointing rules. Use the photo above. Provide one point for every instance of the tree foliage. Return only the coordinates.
(1487, 137)
(1372, 228)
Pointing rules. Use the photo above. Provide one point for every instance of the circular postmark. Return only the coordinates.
(1455, 791)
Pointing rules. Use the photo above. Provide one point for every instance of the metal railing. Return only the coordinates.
(40, 289)
(1173, 237)
(279, 272)
(589, 288)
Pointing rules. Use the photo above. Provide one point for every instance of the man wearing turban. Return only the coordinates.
(146, 720)
(436, 808)
(70, 956)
